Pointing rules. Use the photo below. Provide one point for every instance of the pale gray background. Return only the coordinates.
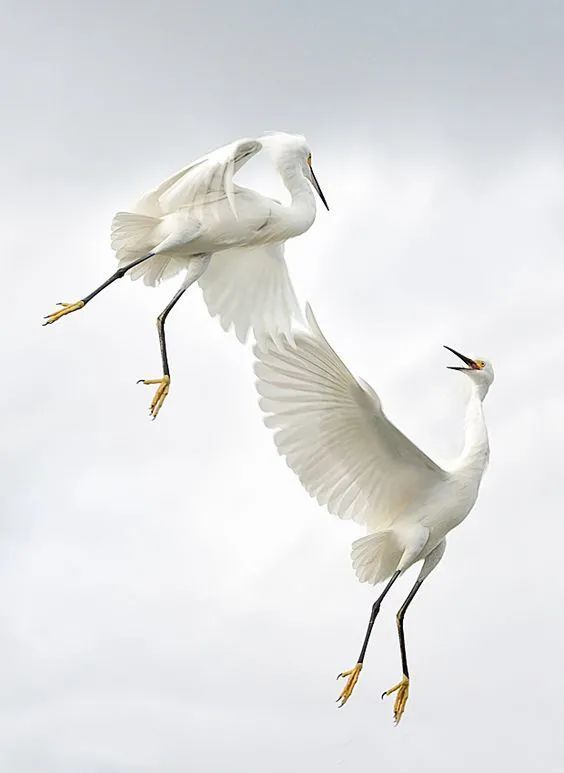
(170, 599)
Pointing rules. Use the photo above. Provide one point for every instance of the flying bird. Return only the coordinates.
(228, 238)
(335, 436)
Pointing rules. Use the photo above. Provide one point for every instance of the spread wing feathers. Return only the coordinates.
(200, 181)
(334, 434)
(250, 288)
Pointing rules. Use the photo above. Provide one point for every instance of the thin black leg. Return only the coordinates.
(399, 618)
(68, 308)
(196, 268)
(117, 275)
(164, 382)
(161, 327)
(374, 614)
(402, 688)
(354, 672)
(198, 265)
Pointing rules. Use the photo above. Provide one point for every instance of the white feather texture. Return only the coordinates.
(334, 433)
(200, 211)
(349, 456)
(251, 289)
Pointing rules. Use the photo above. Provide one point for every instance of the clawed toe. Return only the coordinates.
(67, 308)
(352, 679)
(160, 394)
(402, 689)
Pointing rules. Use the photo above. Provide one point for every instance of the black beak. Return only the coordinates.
(470, 363)
(318, 188)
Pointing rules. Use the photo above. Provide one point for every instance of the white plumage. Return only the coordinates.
(348, 455)
(230, 239)
(200, 211)
(251, 289)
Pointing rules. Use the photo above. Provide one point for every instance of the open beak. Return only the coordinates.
(317, 187)
(471, 365)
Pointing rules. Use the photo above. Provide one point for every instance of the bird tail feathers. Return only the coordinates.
(133, 235)
(376, 556)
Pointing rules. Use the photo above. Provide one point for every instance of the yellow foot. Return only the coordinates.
(67, 309)
(402, 689)
(160, 394)
(353, 675)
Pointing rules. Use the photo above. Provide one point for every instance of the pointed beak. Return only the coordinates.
(471, 365)
(317, 186)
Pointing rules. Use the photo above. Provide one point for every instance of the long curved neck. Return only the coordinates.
(297, 185)
(476, 451)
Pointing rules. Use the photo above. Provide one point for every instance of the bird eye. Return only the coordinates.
(309, 159)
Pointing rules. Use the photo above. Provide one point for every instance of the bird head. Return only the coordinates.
(479, 371)
(286, 150)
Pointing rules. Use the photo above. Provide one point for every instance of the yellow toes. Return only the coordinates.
(402, 689)
(160, 394)
(68, 308)
(352, 675)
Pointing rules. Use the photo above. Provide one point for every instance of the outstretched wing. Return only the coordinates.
(209, 176)
(250, 289)
(334, 434)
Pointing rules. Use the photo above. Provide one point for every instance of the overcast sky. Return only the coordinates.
(171, 598)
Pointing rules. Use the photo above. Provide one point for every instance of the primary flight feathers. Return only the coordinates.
(334, 434)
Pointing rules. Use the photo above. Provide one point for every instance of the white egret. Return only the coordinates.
(334, 434)
(229, 239)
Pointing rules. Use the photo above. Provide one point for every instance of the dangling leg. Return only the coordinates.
(402, 688)
(354, 672)
(196, 268)
(70, 307)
